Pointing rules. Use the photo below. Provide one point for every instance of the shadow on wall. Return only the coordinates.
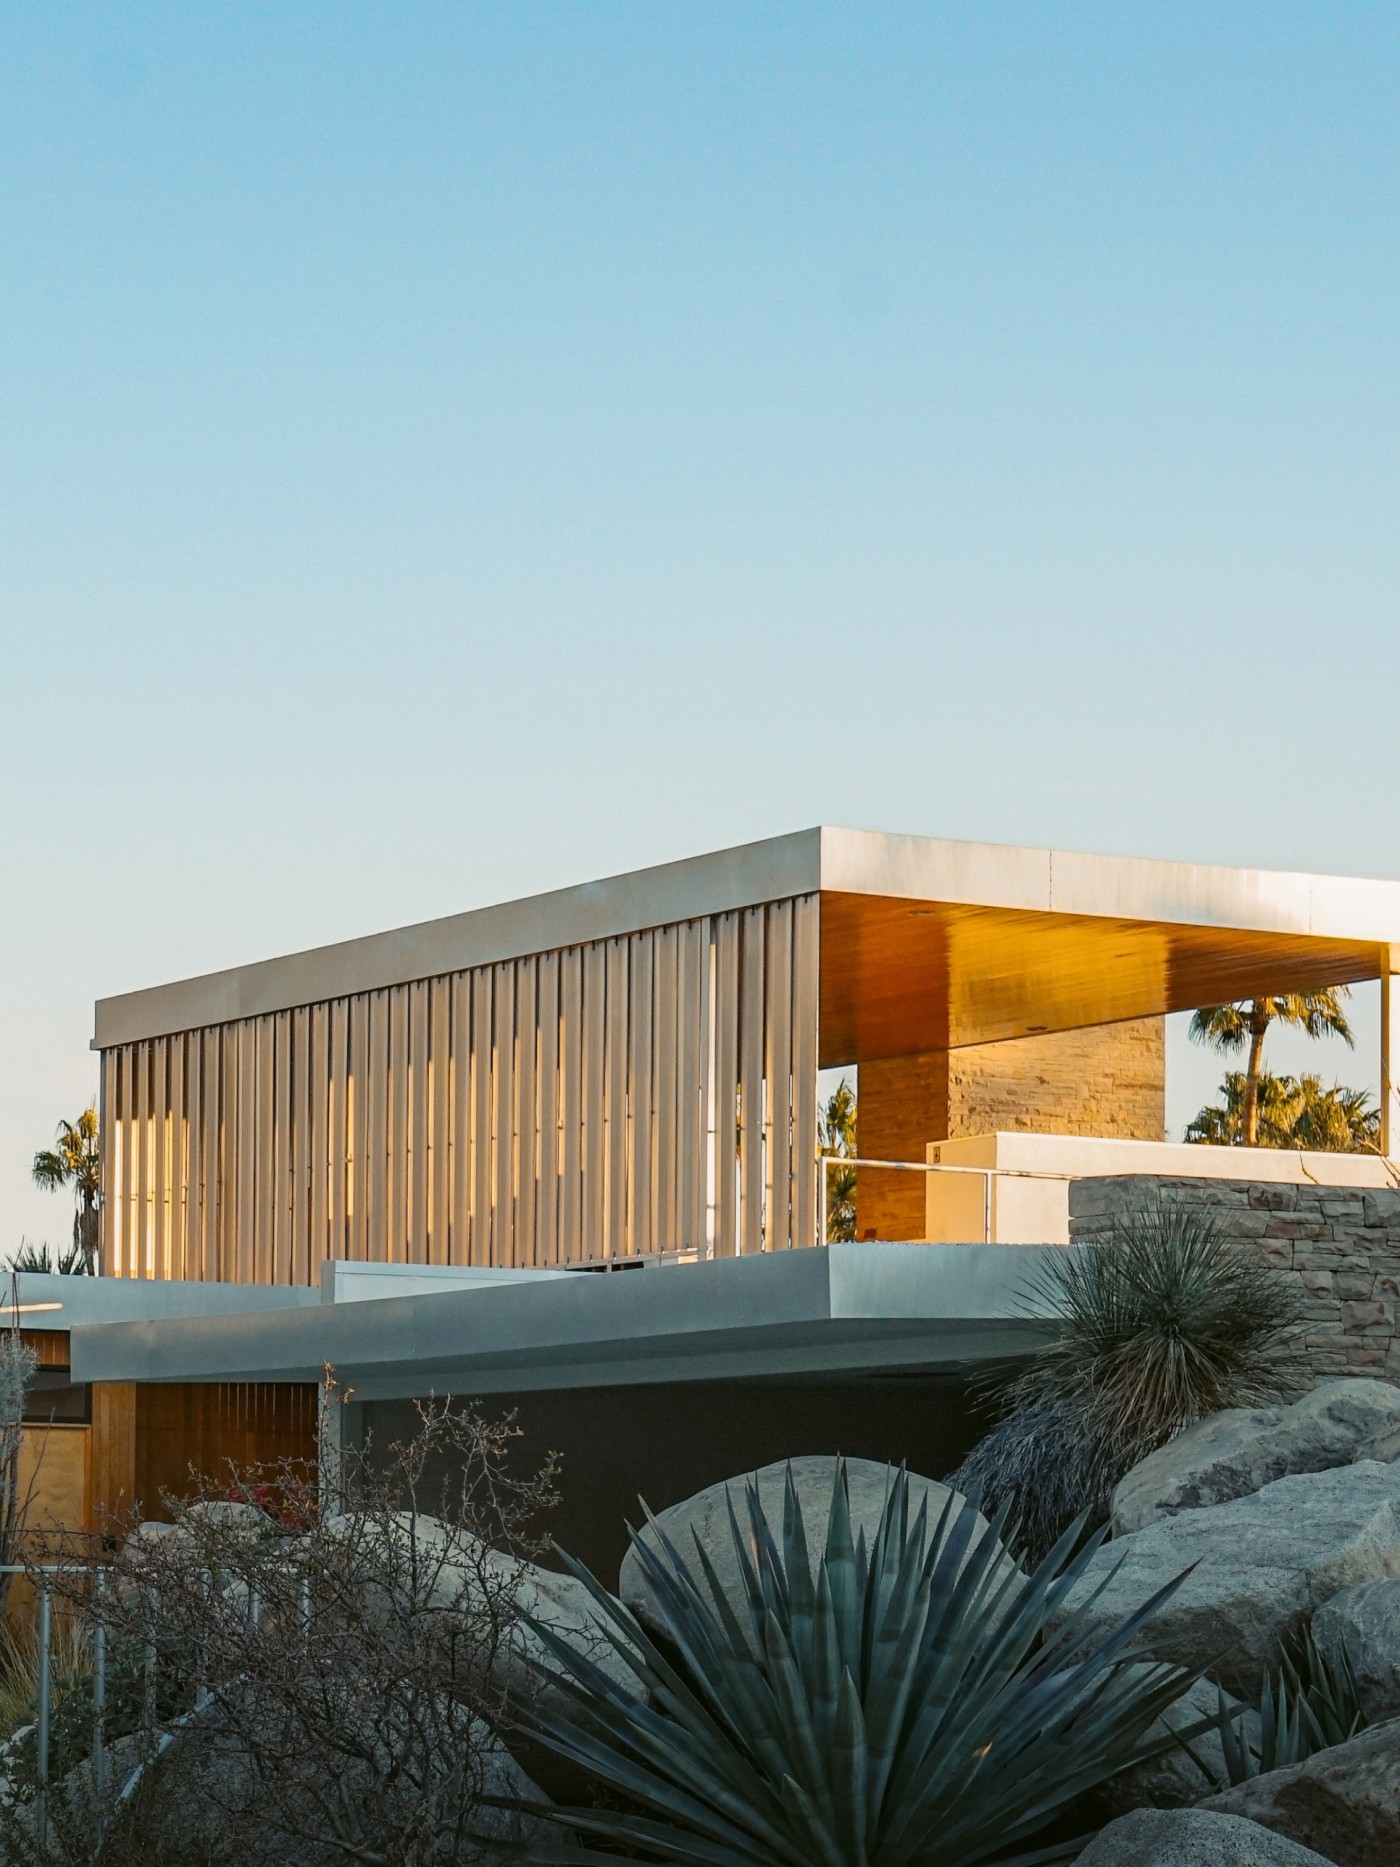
(666, 1442)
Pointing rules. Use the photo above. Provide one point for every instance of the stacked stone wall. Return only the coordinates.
(1341, 1243)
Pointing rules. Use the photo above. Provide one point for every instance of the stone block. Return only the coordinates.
(1269, 1198)
(1357, 1316)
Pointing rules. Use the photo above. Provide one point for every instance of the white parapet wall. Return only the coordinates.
(1027, 1200)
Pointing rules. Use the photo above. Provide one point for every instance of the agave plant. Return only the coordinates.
(910, 1700)
(1304, 1707)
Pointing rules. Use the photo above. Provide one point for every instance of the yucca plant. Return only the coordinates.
(1305, 1706)
(1165, 1320)
(912, 1700)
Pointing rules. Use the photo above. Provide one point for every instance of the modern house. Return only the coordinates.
(423, 1155)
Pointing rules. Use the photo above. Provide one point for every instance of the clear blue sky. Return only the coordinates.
(447, 451)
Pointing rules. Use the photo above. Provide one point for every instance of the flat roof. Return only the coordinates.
(844, 1308)
(1123, 936)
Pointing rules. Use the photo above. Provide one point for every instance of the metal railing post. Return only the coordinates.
(825, 1160)
(41, 1717)
(99, 1704)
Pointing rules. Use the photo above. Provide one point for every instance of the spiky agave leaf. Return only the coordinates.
(901, 1701)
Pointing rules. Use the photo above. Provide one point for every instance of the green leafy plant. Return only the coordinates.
(912, 1700)
(1244, 1025)
(1160, 1323)
(836, 1141)
(76, 1162)
(1291, 1112)
(1305, 1706)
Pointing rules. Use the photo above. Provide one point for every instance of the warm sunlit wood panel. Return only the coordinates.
(726, 1093)
(563, 1108)
(440, 1105)
(481, 1117)
(546, 1249)
(524, 1247)
(460, 1229)
(806, 971)
(318, 1163)
(751, 1032)
(377, 1131)
(419, 1140)
(615, 1063)
(902, 977)
(777, 1069)
(338, 1131)
(192, 1241)
(503, 1113)
(641, 962)
(399, 1105)
(570, 1104)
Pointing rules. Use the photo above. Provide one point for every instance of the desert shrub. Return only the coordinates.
(318, 1676)
(913, 1700)
(1162, 1322)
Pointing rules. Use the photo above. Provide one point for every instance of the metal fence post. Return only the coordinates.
(41, 1717)
(99, 1703)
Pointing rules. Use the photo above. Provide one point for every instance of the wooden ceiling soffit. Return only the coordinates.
(899, 977)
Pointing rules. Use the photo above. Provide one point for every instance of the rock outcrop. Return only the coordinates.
(1343, 1802)
(706, 1517)
(1259, 1567)
(1364, 1622)
(1238, 1452)
(1193, 1838)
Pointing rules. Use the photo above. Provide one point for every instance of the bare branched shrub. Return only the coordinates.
(1162, 1322)
(318, 1672)
(17, 1365)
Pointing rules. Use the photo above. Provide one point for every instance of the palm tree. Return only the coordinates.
(836, 1137)
(76, 1162)
(1232, 1028)
(1291, 1112)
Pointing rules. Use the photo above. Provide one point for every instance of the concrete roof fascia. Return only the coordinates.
(718, 883)
(1139, 888)
(865, 862)
(86, 1302)
(856, 1305)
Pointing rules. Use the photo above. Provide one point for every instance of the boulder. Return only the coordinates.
(1383, 1444)
(1259, 1567)
(1365, 1622)
(457, 1573)
(1344, 1801)
(1192, 1838)
(706, 1517)
(1235, 1453)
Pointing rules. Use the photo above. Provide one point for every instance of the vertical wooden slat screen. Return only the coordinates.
(338, 1140)
(419, 1133)
(439, 1066)
(641, 964)
(725, 1141)
(503, 1113)
(526, 1113)
(650, 1093)
(547, 1014)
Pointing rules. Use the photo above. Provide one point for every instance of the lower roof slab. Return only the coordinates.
(847, 1308)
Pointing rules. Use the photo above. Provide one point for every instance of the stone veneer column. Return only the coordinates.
(1108, 1080)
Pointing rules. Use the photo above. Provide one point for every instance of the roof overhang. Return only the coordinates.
(845, 1309)
(926, 943)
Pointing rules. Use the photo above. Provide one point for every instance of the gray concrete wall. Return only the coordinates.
(1342, 1244)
